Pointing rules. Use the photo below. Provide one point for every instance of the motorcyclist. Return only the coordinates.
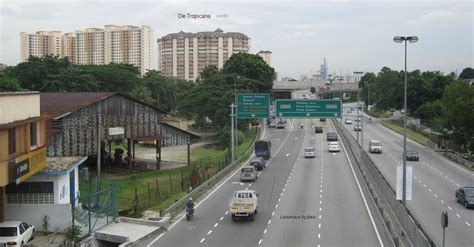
(301, 125)
(190, 205)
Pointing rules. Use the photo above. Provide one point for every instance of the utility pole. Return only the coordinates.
(232, 142)
(99, 122)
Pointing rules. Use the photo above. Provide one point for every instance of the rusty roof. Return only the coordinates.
(57, 104)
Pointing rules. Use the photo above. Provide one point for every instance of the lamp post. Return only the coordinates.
(236, 132)
(358, 73)
(400, 39)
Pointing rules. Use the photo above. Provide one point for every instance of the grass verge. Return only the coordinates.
(410, 133)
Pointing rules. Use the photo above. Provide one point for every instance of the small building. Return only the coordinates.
(22, 142)
(48, 196)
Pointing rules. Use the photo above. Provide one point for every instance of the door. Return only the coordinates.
(72, 187)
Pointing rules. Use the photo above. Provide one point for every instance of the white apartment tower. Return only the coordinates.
(267, 56)
(112, 44)
(186, 55)
(40, 43)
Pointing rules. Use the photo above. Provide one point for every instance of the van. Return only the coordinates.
(248, 173)
(375, 146)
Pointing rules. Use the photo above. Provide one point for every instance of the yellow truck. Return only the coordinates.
(243, 204)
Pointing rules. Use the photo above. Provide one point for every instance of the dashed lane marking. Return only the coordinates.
(202, 240)
(215, 225)
(221, 218)
(459, 216)
(209, 232)
(260, 242)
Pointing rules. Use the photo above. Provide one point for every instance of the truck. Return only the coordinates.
(243, 204)
(263, 148)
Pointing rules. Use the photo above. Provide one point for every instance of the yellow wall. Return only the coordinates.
(17, 107)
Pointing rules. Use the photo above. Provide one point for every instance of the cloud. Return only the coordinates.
(433, 17)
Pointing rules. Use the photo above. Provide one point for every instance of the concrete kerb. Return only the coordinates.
(160, 222)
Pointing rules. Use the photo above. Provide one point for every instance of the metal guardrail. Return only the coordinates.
(460, 160)
(179, 205)
(405, 224)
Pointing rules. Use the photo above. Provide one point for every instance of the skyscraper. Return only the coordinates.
(324, 70)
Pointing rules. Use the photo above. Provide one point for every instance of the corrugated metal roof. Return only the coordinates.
(57, 104)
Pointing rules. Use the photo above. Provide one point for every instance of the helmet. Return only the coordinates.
(190, 198)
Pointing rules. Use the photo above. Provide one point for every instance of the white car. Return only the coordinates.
(309, 152)
(348, 121)
(333, 147)
(15, 233)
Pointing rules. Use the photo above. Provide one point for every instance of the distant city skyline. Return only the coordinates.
(351, 35)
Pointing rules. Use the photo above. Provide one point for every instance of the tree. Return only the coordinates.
(467, 73)
(9, 84)
(252, 67)
(32, 73)
(458, 111)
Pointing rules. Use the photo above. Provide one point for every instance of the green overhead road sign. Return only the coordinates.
(309, 108)
(253, 105)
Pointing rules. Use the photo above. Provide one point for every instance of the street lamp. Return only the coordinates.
(400, 39)
(358, 73)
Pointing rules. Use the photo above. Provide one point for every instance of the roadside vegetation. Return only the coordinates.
(444, 103)
(410, 133)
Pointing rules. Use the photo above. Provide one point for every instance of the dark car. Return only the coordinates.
(331, 136)
(412, 155)
(318, 129)
(259, 163)
(322, 120)
(465, 196)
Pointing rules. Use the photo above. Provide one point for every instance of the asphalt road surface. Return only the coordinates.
(435, 180)
(322, 190)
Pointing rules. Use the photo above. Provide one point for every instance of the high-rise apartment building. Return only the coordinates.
(112, 44)
(186, 55)
(40, 43)
(267, 56)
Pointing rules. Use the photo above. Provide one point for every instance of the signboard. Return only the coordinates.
(309, 108)
(253, 105)
(408, 182)
(116, 131)
(29, 164)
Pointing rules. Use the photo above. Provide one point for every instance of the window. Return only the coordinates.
(22, 229)
(11, 141)
(33, 135)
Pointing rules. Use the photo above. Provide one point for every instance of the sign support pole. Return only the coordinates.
(232, 142)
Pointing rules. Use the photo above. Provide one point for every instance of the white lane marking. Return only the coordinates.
(287, 155)
(321, 185)
(250, 184)
(226, 212)
(320, 196)
(320, 209)
(419, 181)
(215, 225)
(279, 199)
(265, 231)
(424, 185)
(269, 221)
(283, 189)
(296, 138)
(260, 242)
(276, 206)
(459, 216)
(415, 178)
(319, 217)
(202, 240)
(319, 235)
(450, 208)
(209, 232)
(451, 181)
(273, 213)
(428, 189)
(246, 188)
(319, 225)
(442, 201)
(458, 185)
(467, 223)
(436, 195)
(320, 202)
(320, 191)
(363, 197)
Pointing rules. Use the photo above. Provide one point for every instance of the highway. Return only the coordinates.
(435, 180)
(323, 190)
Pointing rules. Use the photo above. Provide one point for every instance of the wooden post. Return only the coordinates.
(158, 189)
(182, 180)
(129, 154)
(149, 193)
(189, 153)
(158, 154)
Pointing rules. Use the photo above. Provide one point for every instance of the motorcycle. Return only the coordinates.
(189, 213)
(301, 126)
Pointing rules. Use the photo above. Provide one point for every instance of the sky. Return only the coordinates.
(353, 35)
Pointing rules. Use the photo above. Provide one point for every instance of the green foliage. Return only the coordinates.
(467, 73)
(458, 112)
(9, 84)
(73, 233)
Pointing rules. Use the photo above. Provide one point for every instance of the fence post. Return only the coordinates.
(158, 193)
(171, 185)
(182, 181)
(149, 193)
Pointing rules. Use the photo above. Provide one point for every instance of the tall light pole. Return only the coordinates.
(358, 73)
(400, 39)
(236, 133)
